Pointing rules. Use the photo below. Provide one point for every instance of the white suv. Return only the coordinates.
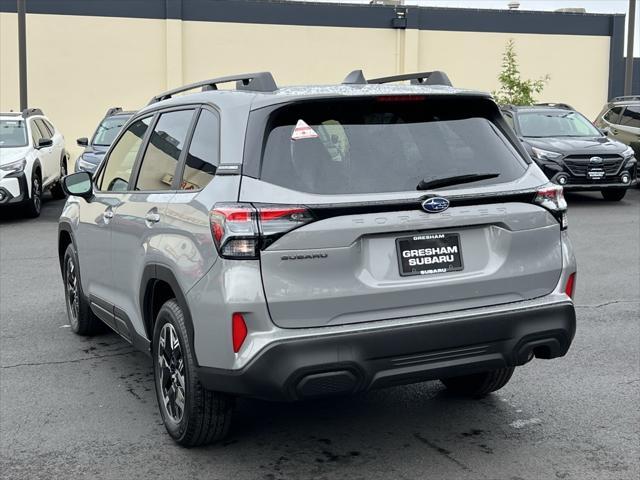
(32, 159)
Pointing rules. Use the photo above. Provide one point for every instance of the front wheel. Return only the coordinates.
(191, 414)
(479, 384)
(33, 205)
(614, 194)
(81, 319)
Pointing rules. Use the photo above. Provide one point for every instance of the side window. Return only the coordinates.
(163, 151)
(631, 117)
(35, 133)
(50, 127)
(44, 131)
(203, 157)
(115, 177)
(612, 115)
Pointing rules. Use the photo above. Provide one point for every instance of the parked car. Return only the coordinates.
(32, 159)
(571, 151)
(620, 119)
(101, 140)
(289, 243)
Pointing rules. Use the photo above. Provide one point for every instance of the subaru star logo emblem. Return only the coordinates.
(435, 204)
(595, 160)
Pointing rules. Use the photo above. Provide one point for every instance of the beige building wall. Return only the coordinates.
(80, 66)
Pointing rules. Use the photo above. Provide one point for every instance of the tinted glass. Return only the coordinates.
(163, 151)
(612, 115)
(509, 119)
(12, 134)
(382, 145)
(202, 159)
(108, 130)
(44, 129)
(51, 128)
(35, 133)
(556, 123)
(117, 171)
(631, 117)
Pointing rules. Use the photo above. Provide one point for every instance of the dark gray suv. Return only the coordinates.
(289, 243)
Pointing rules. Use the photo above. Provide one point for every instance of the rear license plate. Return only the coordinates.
(429, 253)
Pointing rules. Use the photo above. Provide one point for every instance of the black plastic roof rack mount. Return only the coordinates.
(28, 112)
(113, 111)
(556, 105)
(253, 82)
(437, 77)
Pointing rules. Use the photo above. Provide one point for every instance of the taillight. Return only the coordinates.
(238, 331)
(241, 230)
(570, 286)
(551, 197)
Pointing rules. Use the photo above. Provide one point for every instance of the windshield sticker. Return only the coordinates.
(302, 131)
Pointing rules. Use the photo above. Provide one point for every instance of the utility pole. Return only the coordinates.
(22, 52)
(628, 76)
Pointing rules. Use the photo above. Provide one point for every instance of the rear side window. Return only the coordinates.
(163, 151)
(116, 174)
(384, 144)
(631, 117)
(203, 157)
(612, 115)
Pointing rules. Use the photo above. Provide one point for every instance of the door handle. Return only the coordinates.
(107, 215)
(152, 217)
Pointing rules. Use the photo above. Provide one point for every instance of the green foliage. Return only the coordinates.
(513, 89)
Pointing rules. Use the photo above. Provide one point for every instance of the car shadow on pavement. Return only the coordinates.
(51, 210)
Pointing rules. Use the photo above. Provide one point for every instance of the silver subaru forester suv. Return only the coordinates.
(289, 243)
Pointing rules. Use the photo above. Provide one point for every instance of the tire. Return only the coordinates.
(205, 416)
(479, 384)
(33, 205)
(81, 319)
(614, 194)
(56, 191)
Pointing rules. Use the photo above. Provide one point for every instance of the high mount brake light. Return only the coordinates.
(551, 197)
(241, 230)
(401, 98)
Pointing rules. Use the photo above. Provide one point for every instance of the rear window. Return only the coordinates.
(384, 144)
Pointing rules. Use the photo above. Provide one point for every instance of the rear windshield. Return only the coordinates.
(12, 133)
(383, 144)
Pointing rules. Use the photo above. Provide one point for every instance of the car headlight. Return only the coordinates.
(14, 167)
(540, 154)
(628, 153)
(82, 164)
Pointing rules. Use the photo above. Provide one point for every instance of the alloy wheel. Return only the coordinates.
(36, 194)
(171, 373)
(73, 299)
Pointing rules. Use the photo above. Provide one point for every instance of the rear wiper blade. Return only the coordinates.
(455, 180)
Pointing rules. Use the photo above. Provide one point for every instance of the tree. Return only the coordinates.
(513, 89)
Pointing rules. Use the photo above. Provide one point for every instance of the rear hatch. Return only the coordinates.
(366, 248)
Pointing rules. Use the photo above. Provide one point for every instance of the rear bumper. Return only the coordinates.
(361, 360)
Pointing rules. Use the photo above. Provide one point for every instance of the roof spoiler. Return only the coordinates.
(28, 112)
(253, 82)
(437, 77)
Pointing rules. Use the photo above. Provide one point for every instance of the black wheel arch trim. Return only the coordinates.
(151, 274)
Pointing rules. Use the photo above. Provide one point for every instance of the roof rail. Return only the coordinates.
(254, 82)
(553, 104)
(28, 112)
(113, 111)
(626, 97)
(436, 77)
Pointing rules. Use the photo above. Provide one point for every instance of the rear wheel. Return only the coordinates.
(192, 414)
(479, 384)
(81, 319)
(614, 194)
(33, 205)
(56, 191)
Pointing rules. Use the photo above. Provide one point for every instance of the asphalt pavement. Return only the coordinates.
(73, 407)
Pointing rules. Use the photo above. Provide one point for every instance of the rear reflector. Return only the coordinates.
(238, 331)
(570, 286)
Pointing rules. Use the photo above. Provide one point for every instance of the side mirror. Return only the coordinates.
(78, 184)
(82, 141)
(45, 142)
